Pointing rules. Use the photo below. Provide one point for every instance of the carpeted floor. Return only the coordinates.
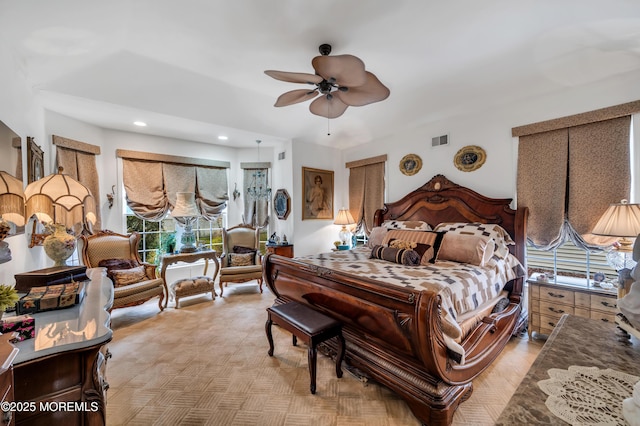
(207, 364)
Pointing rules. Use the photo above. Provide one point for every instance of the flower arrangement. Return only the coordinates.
(8, 297)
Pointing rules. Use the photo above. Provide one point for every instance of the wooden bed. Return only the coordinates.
(394, 335)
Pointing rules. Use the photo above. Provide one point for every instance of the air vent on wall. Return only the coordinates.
(440, 140)
(281, 155)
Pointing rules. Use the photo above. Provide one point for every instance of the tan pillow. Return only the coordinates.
(409, 225)
(376, 236)
(241, 259)
(466, 249)
(427, 243)
(122, 277)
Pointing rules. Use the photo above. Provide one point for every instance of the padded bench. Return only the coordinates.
(311, 327)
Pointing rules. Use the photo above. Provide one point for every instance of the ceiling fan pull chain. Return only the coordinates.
(328, 121)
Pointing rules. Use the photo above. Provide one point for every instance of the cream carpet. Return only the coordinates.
(207, 364)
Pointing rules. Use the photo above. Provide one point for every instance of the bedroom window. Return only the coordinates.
(157, 238)
(569, 264)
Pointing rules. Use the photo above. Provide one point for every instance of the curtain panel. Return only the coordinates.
(256, 212)
(366, 191)
(78, 160)
(568, 177)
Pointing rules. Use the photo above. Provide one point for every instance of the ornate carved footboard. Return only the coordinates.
(394, 334)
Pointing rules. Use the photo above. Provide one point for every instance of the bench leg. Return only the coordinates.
(340, 356)
(267, 328)
(294, 339)
(312, 367)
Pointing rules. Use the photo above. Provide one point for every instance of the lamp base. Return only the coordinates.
(345, 236)
(59, 246)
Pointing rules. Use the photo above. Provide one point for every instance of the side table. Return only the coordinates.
(190, 286)
(280, 249)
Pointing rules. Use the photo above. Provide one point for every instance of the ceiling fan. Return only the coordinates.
(340, 81)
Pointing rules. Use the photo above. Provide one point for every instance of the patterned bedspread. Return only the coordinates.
(462, 287)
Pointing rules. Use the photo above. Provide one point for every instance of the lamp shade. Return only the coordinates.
(185, 205)
(344, 217)
(11, 199)
(619, 220)
(60, 199)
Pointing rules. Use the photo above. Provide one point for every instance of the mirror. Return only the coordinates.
(10, 143)
(11, 158)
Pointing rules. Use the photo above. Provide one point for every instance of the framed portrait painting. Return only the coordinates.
(317, 194)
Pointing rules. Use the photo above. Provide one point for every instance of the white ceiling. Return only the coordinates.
(193, 69)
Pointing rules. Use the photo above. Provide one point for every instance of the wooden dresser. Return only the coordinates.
(281, 249)
(549, 301)
(60, 375)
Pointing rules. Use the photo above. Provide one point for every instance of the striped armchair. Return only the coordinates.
(134, 281)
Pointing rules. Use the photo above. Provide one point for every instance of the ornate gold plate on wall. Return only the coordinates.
(410, 164)
(469, 158)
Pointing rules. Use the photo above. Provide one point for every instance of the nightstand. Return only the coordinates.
(280, 249)
(548, 301)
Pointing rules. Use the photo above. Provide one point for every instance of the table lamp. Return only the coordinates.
(620, 220)
(186, 211)
(62, 203)
(344, 218)
(11, 210)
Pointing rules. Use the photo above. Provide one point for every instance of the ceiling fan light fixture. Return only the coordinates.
(342, 75)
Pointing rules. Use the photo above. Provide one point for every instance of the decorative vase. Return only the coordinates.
(59, 246)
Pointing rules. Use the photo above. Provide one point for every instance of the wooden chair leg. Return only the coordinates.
(267, 328)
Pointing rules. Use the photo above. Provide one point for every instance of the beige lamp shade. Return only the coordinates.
(344, 217)
(185, 205)
(60, 199)
(11, 199)
(620, 220)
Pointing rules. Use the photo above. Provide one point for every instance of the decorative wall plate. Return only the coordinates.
(410, 164)
(469, 158)
(282, 204)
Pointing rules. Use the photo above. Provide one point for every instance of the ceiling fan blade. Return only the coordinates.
(294, 77)
(295, 96)
(372, 91)
(347, 70)
(329, 108)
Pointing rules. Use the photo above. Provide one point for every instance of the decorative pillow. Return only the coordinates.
(409, 225)
(376, 236)
(122, 277)
(115, 264)
(466, 249)
(427, 243)
(243, 249)
(490, 230)
(402, 256)
(241, 259)
(118, 263)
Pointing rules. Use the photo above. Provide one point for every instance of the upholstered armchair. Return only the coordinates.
(134, 281)
(240, 260)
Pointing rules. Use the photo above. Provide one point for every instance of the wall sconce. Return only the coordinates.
(111, 196)
(236, 193)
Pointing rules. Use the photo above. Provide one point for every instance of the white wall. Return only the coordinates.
(491, 130)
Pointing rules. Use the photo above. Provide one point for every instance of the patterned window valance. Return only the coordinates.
(568, 177)
(152, 180)
(366, 190)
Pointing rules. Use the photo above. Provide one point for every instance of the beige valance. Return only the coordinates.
(78, 160)
(366, 190)
(151, 185)
(175, 159)
(601, 114)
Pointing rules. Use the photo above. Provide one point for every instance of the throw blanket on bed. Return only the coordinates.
(463, 287)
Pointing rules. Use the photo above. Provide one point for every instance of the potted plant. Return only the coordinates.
(8, 297)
